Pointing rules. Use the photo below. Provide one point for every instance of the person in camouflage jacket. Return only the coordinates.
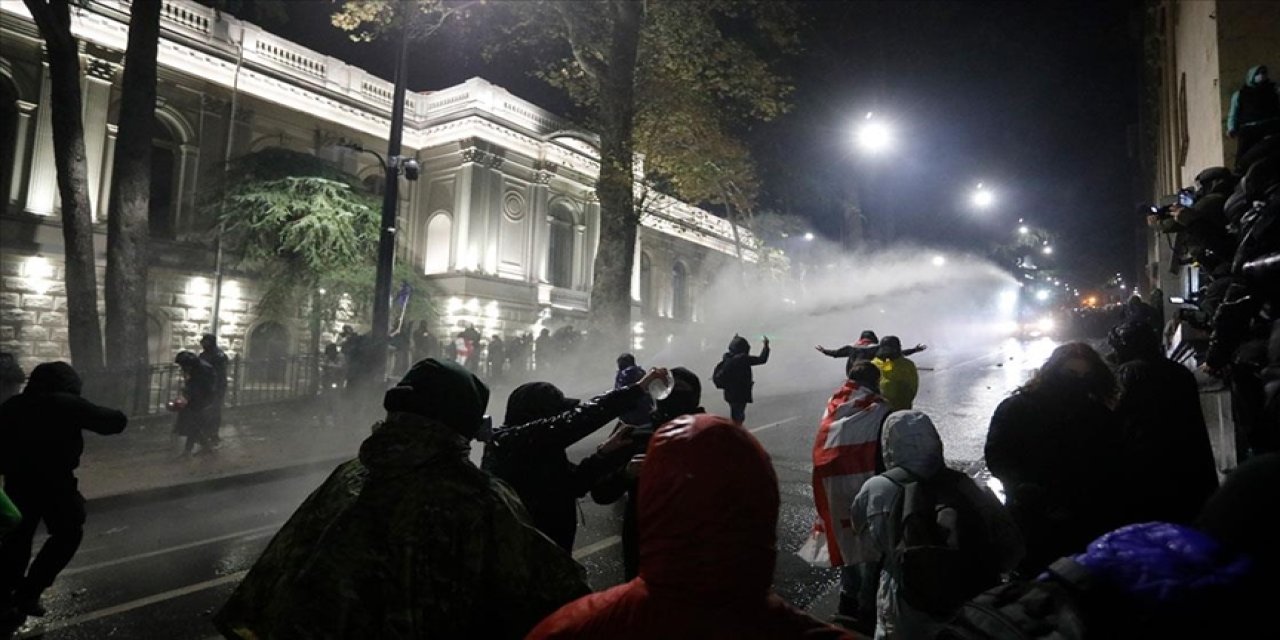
(409, 540)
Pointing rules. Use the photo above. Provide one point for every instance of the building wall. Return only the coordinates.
(502, 171)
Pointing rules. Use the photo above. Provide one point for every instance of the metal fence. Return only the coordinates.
(249, 382)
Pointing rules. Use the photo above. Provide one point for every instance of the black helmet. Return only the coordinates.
(1133, 339)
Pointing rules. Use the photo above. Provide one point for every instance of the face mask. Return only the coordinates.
(1261, 78)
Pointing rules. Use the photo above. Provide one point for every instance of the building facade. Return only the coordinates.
(504, 219)
(1197, 54)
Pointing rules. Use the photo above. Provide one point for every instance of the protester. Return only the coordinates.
(628, 374)
(215, 357)
(1168, 444)
(708, 544)
(864, 349)
(496, 357)
(1254, 112)
(899, 380)
(845, 454)
(195, 418)
(931, 527)
(1135, 310)
(733, 375)
(528, 452)
(685, 399)
(1058, 450)
(410, 540)
(544, 353)
(425, 344)
(40, 446)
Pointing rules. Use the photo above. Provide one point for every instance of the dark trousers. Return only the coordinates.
(738, 412)
(858, 586)
(62, 511)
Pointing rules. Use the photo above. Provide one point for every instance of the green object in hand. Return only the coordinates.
(9, 514)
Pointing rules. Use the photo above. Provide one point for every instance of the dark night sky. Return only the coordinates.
(1033, 99)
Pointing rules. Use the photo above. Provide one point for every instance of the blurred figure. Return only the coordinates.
(1168, 443)
(529, 451)
(899, 380)
(1254, 112)
(194, 405)
(708, 544)
(846, 453)
(1135, 310)
(1058, 450)
(733, 374)
(213, 356)
(469, 349)
(497, 357)
(863, 349)
(41, 441)
(425, 344)
(685, 399)
(410, 540)
(544, 353)
(330, 383)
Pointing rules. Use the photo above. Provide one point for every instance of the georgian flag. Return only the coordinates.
(844, 457)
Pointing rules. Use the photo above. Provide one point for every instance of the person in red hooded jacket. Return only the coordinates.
(708, 534)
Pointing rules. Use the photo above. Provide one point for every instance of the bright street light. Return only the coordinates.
(982, 198)
(874, 136)
(1024, 230)
(808, 235)
(1047, 250)
(1042, 295)
(938, 261)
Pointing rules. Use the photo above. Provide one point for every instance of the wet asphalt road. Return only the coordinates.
(160, 569)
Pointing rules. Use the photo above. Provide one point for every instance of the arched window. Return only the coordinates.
(164, 160)
(646, 284)
(268, 348)
(560, 250)
(439, 236)
(8, 137)
(679, 292)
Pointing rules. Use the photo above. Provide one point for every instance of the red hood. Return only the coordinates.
(708, 511)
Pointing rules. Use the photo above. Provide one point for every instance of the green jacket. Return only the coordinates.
(9, 514)
(411, 540)
(899, 382)
(1253, 103)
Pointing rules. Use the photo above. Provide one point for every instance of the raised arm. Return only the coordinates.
(93, 417)
(762, 358)
(842, 352)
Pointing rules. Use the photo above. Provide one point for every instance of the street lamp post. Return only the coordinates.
(390, 200)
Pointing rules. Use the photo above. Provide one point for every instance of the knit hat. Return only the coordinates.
(535, 401)
(442, 391)
(53, 377)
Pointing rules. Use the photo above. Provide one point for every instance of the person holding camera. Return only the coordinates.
(1198, 223)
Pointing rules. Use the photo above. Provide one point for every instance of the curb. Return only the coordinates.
(116, 501)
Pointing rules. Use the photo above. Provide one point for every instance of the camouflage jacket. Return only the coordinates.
(411, 540)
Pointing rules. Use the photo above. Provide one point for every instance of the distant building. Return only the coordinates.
(504, 218)
(1197, 53)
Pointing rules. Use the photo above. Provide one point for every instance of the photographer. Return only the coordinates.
(1198, 223)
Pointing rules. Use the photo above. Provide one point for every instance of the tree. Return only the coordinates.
(53, 18)
(127, 228)
(310, 232)
(701, 61)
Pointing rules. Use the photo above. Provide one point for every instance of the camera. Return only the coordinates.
(1163, 212)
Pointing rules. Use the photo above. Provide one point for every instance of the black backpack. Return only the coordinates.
(944, 551)
(717, 375)
(1026, 610)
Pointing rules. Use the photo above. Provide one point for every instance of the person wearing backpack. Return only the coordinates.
(938, 536)
(733, 375)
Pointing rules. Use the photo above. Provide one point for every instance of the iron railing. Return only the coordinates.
(249, 382)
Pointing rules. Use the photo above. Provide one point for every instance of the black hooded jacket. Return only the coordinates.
(40, 428)
(735, 370)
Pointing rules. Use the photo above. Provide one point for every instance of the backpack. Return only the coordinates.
(1026, 610)
(945, 553)
(717, 375)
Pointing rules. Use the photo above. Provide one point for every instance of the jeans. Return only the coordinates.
(738, 411)
(62, 511)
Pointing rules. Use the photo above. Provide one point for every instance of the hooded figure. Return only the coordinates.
(1254, 112)
(41, 440)
(1167, 441)
(410, 540)
(899, 380)
(529, 451)
(733, 374)
(199, 397)
(708, 542)
(910, 441)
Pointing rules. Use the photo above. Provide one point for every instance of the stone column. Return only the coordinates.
(493, 192)
(108, 170)
(538, 227)
(96, 87)
(183, 195)
(589, 239)
(21, 137)
(42, 183)
(462, 210)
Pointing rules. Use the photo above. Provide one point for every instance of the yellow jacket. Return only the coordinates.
(898, 382)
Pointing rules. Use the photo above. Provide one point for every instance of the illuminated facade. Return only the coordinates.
(503, 220)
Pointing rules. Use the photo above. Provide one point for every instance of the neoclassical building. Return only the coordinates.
(503, 220)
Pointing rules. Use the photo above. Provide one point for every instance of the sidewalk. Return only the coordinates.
(147, 456)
